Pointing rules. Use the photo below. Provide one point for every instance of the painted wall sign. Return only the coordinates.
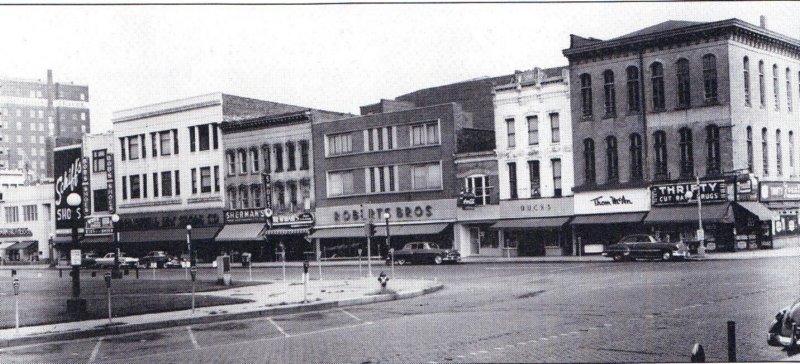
(14, 232)
(171, 220)
(536, 207)
(779, 191)
(426, 210)
(612, 201)
(67, 169)
(687, 192)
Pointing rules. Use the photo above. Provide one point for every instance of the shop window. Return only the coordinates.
(477, 185)
(609, 93)
(633, 88)
(687, 153)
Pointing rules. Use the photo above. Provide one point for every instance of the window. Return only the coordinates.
(338, 144)
(242, 158)
(255, 194)
(775, 91)
(657, 80)
(684, 92)
(588, 161)
(764, 152)
(292, 163)
(216, 178)
(712, 146)
(265, 155)
(291, 186)
(555, 128)
(610, 94)
(379, 138)
(788, 89)
(636, 157)
(215, 128)
(746, 74)
(231, 157)
(233, 202)
(278, 157)
(340, 183)
(791, 152)
(155, 184)
(556, 177)
(244, 197)
(165, 142)
(177, 184)
(778, 153)
(426, 176)
(254, 159)
(99, 160)
(687, 155)
(586, 95)
(280, 197)
(710, 78)
(381, 179)
(205, 179)
(133, 147)
(512, 180)
(144, 186)
(612, 163)
(12, 214)
(535, 178)
(154, 143)
(203, 137)
(477, 185)
(124, 187)
(750, 149)
(100, 200)
(511, 133)
(175, 140)
(30, 213)
(660, 146)
(166, 184)
(136, 191)
(304, 155)
(194, 181)
(761, 86)
(425, 134)
(533, 130)
(192, 139)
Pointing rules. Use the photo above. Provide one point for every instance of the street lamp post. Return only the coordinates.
(50, 246)
(189, 245)
(388, 237)
(701, 249)
(115, 273)
(75, 305)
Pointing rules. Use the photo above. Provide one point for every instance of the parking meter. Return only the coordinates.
(383, 279)
(13, 272)
(194, 273)
(15, 283)
(107, 277)
(305, 266)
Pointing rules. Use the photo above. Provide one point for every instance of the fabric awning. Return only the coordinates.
(712, 213)
(351, 232)
(602, 219)
(62, 239)
(407, 230)
(240, 232)
(540, 223)
(174, 235)
(98, 239)
(22, 245)
(287, 231)
(4, 245)
(758, 209)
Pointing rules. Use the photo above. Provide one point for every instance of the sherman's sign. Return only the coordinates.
(688, 192)
(245, 216)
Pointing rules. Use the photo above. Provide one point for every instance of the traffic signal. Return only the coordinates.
(370, 229)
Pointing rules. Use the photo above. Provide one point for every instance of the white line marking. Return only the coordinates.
(554, 337)
(473, 354)
(191, 336)
(461, 357)
(607, 325)
(573, 332)
(499, 348)
(522, 343)
(544, 339)
(564, 334)
(350, 314)
(277, 327)
(483, 352)
(96, 350)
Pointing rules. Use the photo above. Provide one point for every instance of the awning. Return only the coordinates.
(62, 239)
(541, 223)
(712, 213)
(4, 245)
(22, 245)
(173, 235)
(98, 239)
(288, 231)
(240, 232)
(758, 209)
(602, 219)
(351, 232)
(407, 230)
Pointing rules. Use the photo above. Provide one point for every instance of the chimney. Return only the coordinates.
(764, 21)
(49, 77)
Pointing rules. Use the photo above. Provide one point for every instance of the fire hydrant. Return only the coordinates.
(383, 279)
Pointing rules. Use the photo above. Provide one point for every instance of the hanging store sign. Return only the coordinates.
(110, 183)
(687, 192)
(245, 216)
(99, 225)
(67, 169)
(779, 191)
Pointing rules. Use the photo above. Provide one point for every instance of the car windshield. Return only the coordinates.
(433, 245)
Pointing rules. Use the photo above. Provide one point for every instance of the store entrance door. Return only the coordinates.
(474, 241)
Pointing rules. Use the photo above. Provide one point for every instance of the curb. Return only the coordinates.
(266, 312)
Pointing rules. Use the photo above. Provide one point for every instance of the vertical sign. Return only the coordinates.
(112, 206)
(87, 189)
(267, 182)
(67, 172)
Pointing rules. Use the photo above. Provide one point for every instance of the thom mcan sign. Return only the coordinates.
(612, 201)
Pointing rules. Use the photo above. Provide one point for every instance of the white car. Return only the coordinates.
(108, 261)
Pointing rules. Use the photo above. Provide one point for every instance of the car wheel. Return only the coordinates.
(400, 261)
(666, 255)
(437, 260)
(617, 258)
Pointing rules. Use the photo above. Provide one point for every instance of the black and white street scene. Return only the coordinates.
(387, 182)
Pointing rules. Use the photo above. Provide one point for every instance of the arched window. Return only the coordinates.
(750, 149)
(610, 94)
(636, 156)
(684, 92)
(612, 163)
(788, 89)
(255, 194)
(291, 160)
(265, 154)
(710, 78)
(660, 148)
(746, 74)
(477, 185)
(588, 158)
(633, 88)
(242, 155)
(762, 89)
(244, 197)
(712, 150)
(687, 152)
(775, 88)
(657, 80)
(255, 160)
(778, 153)
(230, 155)
(233, 203)
(586, 94)
(764, 152)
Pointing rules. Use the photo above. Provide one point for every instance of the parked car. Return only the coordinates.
(108, 261)
(424, 252)
(643, 246)
(780, 331)
(160, 258)
(88, 260)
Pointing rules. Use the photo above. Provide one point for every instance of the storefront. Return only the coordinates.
(167, 231)
(783, 198)
(604, 217)
(473, 234)
(341, 230)
(17, 244)
(289, 231)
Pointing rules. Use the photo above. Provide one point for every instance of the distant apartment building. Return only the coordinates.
(36, 116)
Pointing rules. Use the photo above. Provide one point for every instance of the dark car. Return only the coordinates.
(424, 252)
(643, 246)
(158, 257)
(88, 260)
(783, 331)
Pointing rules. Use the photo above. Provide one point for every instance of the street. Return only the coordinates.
(568, 312)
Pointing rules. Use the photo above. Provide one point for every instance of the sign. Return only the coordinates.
(424, 210)
(268, 212)
(701, 234)
(75, 257)
(67, 168)
(245, 216)
(14, 232)
(99, 226)
(266, 180)
(86, 199)
(612, 201)
(466, 200)
(170, 220)
(687, 192)
(300, 219)
(779, 191)
(110, 183)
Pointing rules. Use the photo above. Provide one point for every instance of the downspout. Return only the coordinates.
(645, 143)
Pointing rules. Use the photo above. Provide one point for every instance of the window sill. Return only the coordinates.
(634, 112)
(681, 108)
(587, 118)
(609, 116)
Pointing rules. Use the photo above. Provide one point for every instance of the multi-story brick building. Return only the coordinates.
(36, 116)
(660, 109)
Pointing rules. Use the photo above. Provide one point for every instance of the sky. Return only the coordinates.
(334, 57)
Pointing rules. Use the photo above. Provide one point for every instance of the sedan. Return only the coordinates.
(424, 252)
(643, 246)
(783, 330)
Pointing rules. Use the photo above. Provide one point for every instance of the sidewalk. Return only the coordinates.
(275, 298)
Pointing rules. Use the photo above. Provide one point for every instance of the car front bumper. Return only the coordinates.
(452, 259)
